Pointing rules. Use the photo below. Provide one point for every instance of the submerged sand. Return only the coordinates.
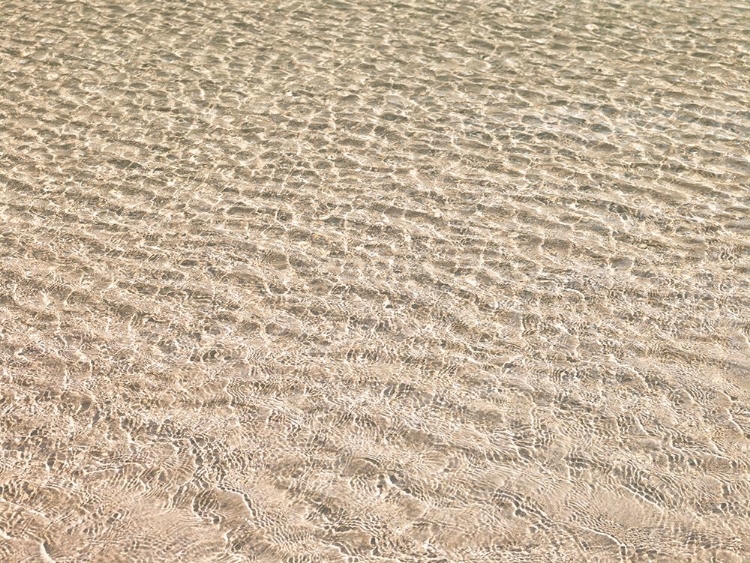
(326, 281)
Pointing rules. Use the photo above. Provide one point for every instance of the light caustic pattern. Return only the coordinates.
(326, 281)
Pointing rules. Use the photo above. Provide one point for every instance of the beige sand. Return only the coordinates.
(326, 281)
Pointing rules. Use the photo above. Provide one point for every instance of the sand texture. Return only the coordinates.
(371, 281)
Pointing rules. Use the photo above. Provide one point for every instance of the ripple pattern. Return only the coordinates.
(404, 281)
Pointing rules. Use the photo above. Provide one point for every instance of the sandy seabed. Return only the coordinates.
(328, 281)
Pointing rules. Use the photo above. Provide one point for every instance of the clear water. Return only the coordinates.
(328, 281)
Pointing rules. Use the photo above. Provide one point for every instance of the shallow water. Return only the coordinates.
(362, 281)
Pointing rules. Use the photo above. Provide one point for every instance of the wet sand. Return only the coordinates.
(328, 281)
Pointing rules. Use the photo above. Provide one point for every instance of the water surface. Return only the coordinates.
(327, 281)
